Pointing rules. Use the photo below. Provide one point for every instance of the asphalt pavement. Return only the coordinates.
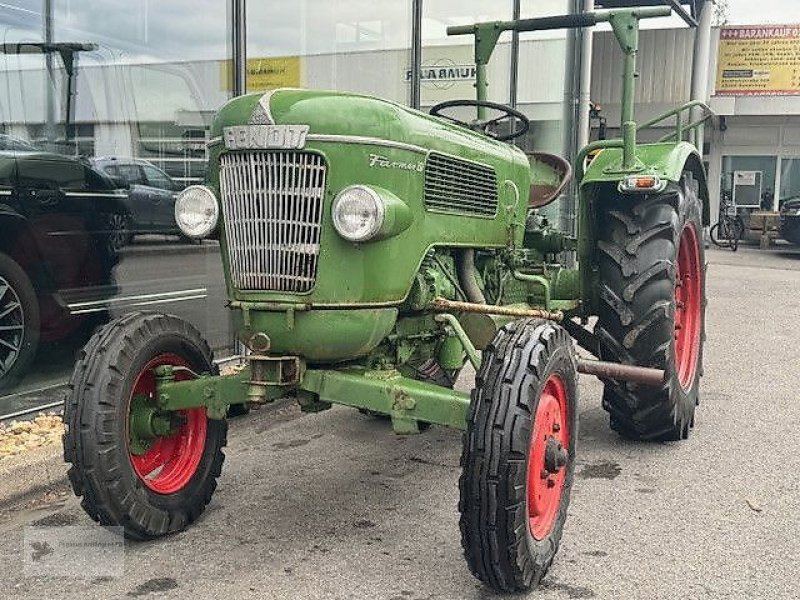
(335, 506)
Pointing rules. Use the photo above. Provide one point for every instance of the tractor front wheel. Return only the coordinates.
(652, 311)
(151, 485)
(519, 455)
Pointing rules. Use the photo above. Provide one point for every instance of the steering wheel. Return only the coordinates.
(483, 125)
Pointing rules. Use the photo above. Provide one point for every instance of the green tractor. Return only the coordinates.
(370, 251)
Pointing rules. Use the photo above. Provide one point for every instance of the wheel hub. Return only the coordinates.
(555, 456)
(688, 306)
(548, 456)
(165, 448)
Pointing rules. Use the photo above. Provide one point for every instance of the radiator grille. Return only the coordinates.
(272, 207)
(458, 186)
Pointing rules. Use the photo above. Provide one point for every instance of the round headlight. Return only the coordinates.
(196, 211)
(358, 213)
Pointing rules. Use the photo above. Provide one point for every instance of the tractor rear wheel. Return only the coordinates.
(518, 455)
(149, 485)
(652, 310)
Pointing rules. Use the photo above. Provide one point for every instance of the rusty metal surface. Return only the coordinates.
(444, 305)
(608, 370)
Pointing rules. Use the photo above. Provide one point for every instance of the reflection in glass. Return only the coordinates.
(104, 113)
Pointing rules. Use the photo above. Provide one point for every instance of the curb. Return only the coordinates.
(28, 475)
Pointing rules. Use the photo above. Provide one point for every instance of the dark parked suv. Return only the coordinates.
(151, 195)
(790, 220)
(57, 253)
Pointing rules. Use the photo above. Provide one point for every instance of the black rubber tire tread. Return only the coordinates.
(498, 546)
(24, 290)
(639, 238)
(95, 417)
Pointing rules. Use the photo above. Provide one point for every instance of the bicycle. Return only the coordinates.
(727, 232)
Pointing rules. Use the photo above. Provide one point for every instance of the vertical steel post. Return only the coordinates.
(415, 96)
(513, 76)
(585, 82)
(50, 81)
(239, 46)
(480, 87)
(569, 135)
(700, 64)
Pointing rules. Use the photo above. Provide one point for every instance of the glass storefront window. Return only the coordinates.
(330, 44)
(104, 108)
(790, 180)
(749, 181)
(448, 62)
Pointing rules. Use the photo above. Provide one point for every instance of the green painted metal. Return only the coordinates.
(214, 392)
(666, 160)
(356, 274)
(626, 29)
(406, 400)
(461, 335)
(144, 424)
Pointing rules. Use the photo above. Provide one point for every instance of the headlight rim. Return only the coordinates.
(215, 204)
(380, 207)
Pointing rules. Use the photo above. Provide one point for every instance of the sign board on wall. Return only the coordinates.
(269, 73)
(761, 60)
(744, 177)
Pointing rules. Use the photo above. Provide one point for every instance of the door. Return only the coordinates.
(139, 203)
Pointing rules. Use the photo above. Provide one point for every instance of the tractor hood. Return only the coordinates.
(349, 115)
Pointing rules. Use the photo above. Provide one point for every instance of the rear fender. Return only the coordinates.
(667, 160)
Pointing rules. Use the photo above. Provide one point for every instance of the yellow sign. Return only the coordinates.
(272, 73)
(759, 61)
(269, 73)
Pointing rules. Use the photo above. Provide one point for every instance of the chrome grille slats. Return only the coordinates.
(454, 185)
(272, 209)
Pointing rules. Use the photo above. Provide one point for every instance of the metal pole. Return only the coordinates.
(239, 46)
(513, 81)
(700, 66)
(415, 98)
(50, 83)
(570, 149)
(626, 30)
(585, 84)
(513, 77)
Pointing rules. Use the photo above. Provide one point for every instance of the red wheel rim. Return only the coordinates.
(549, 440)
(171, 461)
(688, 306)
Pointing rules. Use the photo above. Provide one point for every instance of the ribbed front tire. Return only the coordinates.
(163, 487)
(518, 456)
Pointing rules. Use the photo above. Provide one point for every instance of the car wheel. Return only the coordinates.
(119, 231)
(19, 322)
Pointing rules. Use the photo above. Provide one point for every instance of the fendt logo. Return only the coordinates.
(377, 160)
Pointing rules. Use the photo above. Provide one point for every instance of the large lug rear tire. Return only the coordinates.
(518, 456)
(162, 486)
(652, 310)
(19, 322)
